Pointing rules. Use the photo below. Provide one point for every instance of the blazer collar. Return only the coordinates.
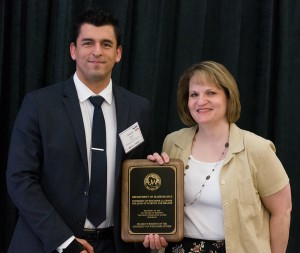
(122, 113)
(71, 102)
(236, 141)
(122, 107)
(186, 142)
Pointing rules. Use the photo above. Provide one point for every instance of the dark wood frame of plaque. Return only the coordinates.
(152, 200)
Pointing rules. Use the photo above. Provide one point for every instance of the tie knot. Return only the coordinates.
(96, 100)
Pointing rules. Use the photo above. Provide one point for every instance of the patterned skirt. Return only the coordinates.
(189, 245)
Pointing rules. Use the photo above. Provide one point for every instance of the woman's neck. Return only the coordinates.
(210, 142)
(213, 134)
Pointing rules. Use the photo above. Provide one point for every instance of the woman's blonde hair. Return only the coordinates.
(220, 76)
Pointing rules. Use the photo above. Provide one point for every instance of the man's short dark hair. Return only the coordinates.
(97, 17)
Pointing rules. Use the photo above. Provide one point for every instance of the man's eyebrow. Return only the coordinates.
(86, 39)
(104, 40)
(108, 40)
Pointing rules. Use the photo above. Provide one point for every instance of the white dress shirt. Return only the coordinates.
(109, 112)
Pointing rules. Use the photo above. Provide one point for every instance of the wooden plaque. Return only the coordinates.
(152, 200)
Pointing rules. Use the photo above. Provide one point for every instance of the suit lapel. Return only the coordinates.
(71, 102)
(122, 112)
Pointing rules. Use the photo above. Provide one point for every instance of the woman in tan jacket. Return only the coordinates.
(237, 193)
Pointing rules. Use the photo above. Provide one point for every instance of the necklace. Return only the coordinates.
(198, 193)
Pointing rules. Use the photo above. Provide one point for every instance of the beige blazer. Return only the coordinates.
(251, 170)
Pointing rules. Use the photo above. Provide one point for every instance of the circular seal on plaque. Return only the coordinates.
(152, 182)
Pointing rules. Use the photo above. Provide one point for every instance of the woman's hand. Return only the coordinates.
(154, 242)
(160, 159)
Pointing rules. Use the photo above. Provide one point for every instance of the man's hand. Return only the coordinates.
(80, 246)
(88, 247)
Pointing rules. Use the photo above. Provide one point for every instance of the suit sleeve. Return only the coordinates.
(24, 176)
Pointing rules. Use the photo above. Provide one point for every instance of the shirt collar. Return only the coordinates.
(84, 92)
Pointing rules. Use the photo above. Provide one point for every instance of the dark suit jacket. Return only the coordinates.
(47, 175)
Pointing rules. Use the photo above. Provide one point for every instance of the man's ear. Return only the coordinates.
(119, 54)
(73, 50)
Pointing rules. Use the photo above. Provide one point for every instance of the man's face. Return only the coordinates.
(95, 53)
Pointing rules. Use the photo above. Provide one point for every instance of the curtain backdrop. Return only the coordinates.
(257, 40)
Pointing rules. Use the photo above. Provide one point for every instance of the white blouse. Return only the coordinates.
(204, 218)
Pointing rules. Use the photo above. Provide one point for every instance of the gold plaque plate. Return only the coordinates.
(152, 200)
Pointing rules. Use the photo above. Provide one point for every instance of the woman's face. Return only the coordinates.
(207, 103)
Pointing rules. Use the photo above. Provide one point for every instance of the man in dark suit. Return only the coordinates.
(49, 165)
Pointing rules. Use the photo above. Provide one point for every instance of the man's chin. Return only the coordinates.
(98, 77)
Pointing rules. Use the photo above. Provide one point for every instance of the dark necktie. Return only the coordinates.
(97, 193)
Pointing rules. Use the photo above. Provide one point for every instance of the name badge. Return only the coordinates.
(131, 137)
